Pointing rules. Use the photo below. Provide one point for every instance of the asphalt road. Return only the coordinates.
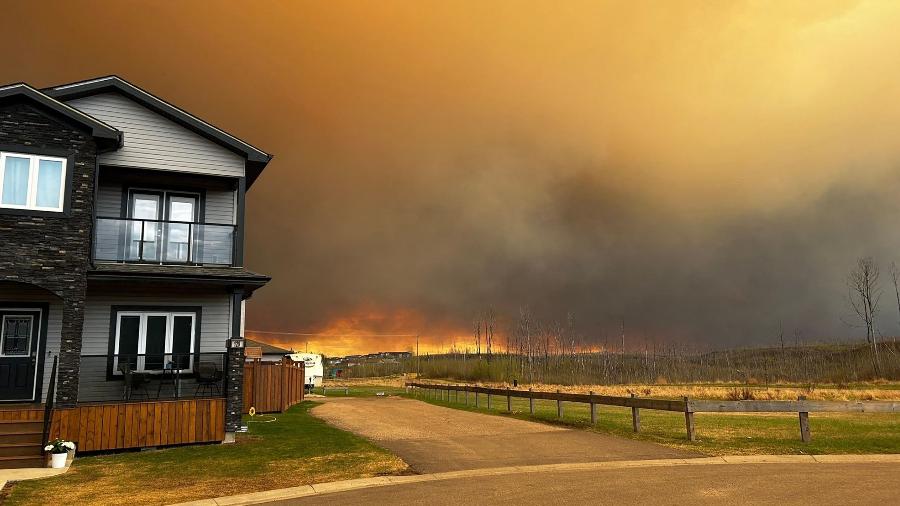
(435, 439)
(685, 484)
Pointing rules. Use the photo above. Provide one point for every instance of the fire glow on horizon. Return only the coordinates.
(370, 330)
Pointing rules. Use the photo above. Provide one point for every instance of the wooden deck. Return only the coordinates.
(140, 424)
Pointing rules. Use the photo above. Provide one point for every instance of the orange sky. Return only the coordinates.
(705, 170)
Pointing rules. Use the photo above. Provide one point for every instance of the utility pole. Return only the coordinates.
(623, 335)
(417, 356)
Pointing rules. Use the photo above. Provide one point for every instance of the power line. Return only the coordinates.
(328, 335)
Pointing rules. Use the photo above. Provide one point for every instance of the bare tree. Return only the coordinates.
(895, 278)
(476, 330)
(490, 318)
(865, 294)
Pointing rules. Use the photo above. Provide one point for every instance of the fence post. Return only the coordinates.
(593, 408)
(466, 395)
(559, 410)
(635, 417)
(324, 390)
(689, 420)
(530, 402)
(489, 400)
(508, 401)
(476, 398)
(805, 436)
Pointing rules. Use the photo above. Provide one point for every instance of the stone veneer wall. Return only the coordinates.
(52, 250)
(234, 384)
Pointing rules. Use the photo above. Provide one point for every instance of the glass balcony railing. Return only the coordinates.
(162, 242)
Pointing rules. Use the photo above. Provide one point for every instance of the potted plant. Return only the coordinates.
(59, 451)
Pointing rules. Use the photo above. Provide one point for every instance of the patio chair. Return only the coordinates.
(135, 382)
(208, 377)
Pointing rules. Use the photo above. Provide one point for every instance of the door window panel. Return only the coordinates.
(129, 337)
(179, 235)
(182, 337)
(16, 335)
(143, 243)
(155, 347)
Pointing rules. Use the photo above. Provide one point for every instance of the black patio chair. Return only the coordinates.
(135, 382)
(208, 377)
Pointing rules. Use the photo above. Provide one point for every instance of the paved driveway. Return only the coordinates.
(435, 439)
(817, 484)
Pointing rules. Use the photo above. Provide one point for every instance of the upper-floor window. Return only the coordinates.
(33, 182)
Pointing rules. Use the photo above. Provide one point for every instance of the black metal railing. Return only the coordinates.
(150, 376)
(51, 398)
(163, 242)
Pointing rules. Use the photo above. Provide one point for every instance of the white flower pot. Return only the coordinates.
(58, 460)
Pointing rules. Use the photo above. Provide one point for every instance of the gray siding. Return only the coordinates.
(220, 206)
(219, 203)
(108, 232)
(213, 327)
(26, 293)
(154, 142)
(213, 332)
(109, 199)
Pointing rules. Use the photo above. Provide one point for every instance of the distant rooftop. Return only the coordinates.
(267, 349)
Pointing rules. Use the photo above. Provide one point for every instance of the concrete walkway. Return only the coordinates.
(28, 473)
(433, 439)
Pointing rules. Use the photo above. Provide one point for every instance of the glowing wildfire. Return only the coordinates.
(370, 330)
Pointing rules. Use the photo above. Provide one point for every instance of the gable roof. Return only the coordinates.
(111, 137)
(257, 159)
(267, 348)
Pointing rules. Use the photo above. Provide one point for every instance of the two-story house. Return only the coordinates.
(122, 285)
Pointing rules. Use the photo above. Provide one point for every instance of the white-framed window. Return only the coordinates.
(151, 341)
(33, 182)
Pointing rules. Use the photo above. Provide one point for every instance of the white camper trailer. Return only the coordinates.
(314, 370)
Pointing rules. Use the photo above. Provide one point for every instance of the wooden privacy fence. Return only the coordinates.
(272, 386)
(687, 406)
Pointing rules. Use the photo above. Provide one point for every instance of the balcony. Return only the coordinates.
(163, 242)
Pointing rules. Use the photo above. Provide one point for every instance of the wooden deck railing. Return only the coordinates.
(687, 406)
(97, 427)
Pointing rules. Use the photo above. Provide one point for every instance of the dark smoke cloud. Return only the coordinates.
(708, 172)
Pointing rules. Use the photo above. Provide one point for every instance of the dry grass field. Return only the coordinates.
(867, 391)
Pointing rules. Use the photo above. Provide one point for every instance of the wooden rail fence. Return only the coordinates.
(272, 386)
(687, 406)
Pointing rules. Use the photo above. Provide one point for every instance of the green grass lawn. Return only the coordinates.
(296, 449)
(717, 434)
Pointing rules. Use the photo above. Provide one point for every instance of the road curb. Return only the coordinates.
(383, 481)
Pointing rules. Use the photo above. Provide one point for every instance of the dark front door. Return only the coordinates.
(18, 354)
